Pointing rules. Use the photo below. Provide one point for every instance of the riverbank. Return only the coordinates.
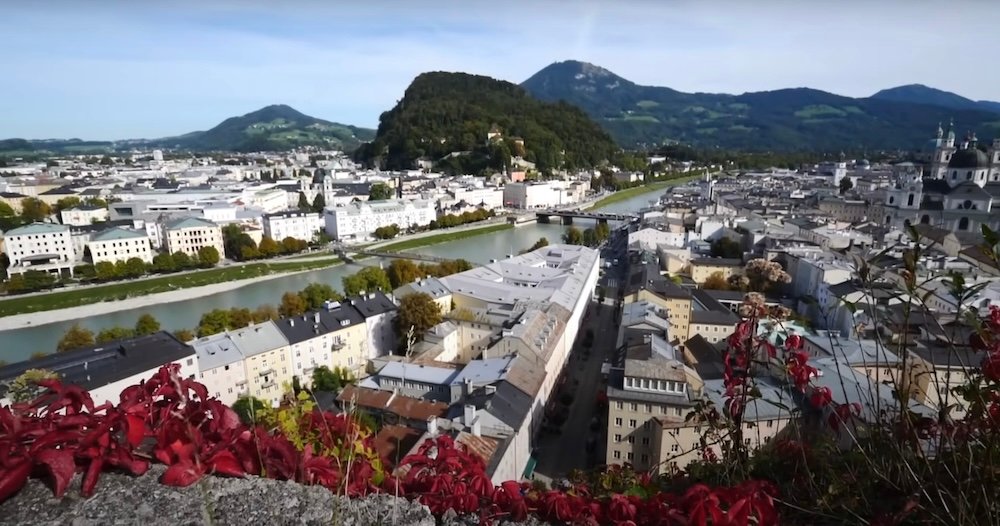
(34, 319)
(406, 244)
(629, 193)
(52, 305)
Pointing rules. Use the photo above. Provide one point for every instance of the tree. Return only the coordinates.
(213, 322)
(235, 242)
(573, 236)
(418, 312)
(75, 338)
(105, 271)
(67, 202)
(846, 184)
(34, 209)
(760, 275)
(163, 263)
(716, 281)
(134, 267)
(290, 245)
(96, 201)
(208, 256)
(240, 317)
(602, 232)
(184, 335)
(114, 333)
(303, 202)
(291, 305)
(387, 232)
(401, 272)
(268, 247)
(319, 203)
(315, 294)
(368, 279)
(726, 248)
(6, 210)
(25, 387)
(146, 324)
(107, 161)
(182, 260)
(325, 379)
(248, 253)
(264, 313)
(247, 409)
(379, 192)
(542, 242)
(589, 237)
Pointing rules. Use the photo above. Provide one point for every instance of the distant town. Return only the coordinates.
(603, 340)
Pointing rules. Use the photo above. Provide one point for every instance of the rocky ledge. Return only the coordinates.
(213, 501)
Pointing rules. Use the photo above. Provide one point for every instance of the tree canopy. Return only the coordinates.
(379, 192)
(368, 279)
(75, 338)
(146, 324)
(417, 312)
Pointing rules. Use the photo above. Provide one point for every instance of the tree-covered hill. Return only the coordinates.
(446, 117)
(798, 119)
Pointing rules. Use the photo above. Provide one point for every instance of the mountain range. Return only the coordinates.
(783, 120)
(272, 128)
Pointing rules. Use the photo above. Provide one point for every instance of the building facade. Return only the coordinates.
(297, 225)
(191, 234)
(83, 215)
(120, 244)
(358, 221)
(46, 247)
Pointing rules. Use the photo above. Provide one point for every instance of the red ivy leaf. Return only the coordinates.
(90, 477)
(60, 465)
(182, 474)
(13, 479)
(136, 429)
(225, 463)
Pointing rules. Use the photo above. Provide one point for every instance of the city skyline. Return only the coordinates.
(102, 71)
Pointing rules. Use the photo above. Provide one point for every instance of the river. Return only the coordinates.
(19, 344)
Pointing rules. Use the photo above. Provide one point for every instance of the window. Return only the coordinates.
(963, 224)
(618, 437)
(645, 441)
(631, 423)
(629, 455)
(190, 361)
(227, 368)
(644, 458)
(675, 448)
(663, 409)
(634, 407)
(618, 422)
(619, 405)
(678, 411)
(649, 408)
(631, 439)
(618, 455)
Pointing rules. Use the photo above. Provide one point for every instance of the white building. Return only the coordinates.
(298, 225)
(83, 215)
(651, 238)
(220, 367)
(190, 234)
(40, 246)
(359, 220)
(120, 244)
(488, 198)
(549, 194)
(380, 313)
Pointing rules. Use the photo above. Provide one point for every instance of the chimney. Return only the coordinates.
(291, 322)
(469, 414)
(316, 317)
(468, 386)
(432, 426)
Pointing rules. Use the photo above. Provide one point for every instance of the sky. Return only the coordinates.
(109, 69)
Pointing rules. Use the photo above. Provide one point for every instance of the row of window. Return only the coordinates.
(666, 386)
(648, 408)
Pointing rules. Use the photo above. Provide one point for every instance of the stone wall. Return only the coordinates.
(126, 500)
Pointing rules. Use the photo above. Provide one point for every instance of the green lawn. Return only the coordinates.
(129, 289)
(441, 238)
(629, 193)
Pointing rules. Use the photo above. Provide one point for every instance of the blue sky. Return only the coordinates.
(104, 69)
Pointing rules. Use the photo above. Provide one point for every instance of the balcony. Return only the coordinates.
(266, 372)
(338, 344)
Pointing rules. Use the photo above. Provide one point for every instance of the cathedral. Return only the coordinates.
(960, 192)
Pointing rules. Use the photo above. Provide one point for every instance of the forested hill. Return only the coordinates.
(446, 118)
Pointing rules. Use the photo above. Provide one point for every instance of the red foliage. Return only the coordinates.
(172, 420)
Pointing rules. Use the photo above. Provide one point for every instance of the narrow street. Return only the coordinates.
(560, 453)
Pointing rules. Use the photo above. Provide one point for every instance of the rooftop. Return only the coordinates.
(116, 233)
(37, 228)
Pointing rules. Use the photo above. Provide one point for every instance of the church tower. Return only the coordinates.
(907, 189)
(968, 164)
(944, 147)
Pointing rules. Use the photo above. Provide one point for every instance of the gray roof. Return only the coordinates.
(215, 351)
(118, 233)
(37, 228)
(426, 374)
(188, 222)
(100, 365)
(333, 317)
(486, 371)
(431, 286)
(372, 304)
(510, 405)
(258, 338)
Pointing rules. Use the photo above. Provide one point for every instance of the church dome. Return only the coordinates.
(969, 158)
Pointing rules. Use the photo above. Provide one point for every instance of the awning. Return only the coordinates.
(530, 468)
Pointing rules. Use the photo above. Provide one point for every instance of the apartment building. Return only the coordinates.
(45, 247)
(431, 286)
(83, 215)
(221, 367)
(379, 312)
(647, 284)
(297, 225)
(358, 221)
(333, 336)
(546, 194)
(267, 358)
(105, 370)
(191, 234)
(703, 268)
(120, 244)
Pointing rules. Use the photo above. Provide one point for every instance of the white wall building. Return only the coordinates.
(488, 198)
(190, 234)
(650, 238)
(83, 215)
(220, 367)
(298, 225)
(359, 220)
(39, 246)
(120, 244)
(549, 194)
